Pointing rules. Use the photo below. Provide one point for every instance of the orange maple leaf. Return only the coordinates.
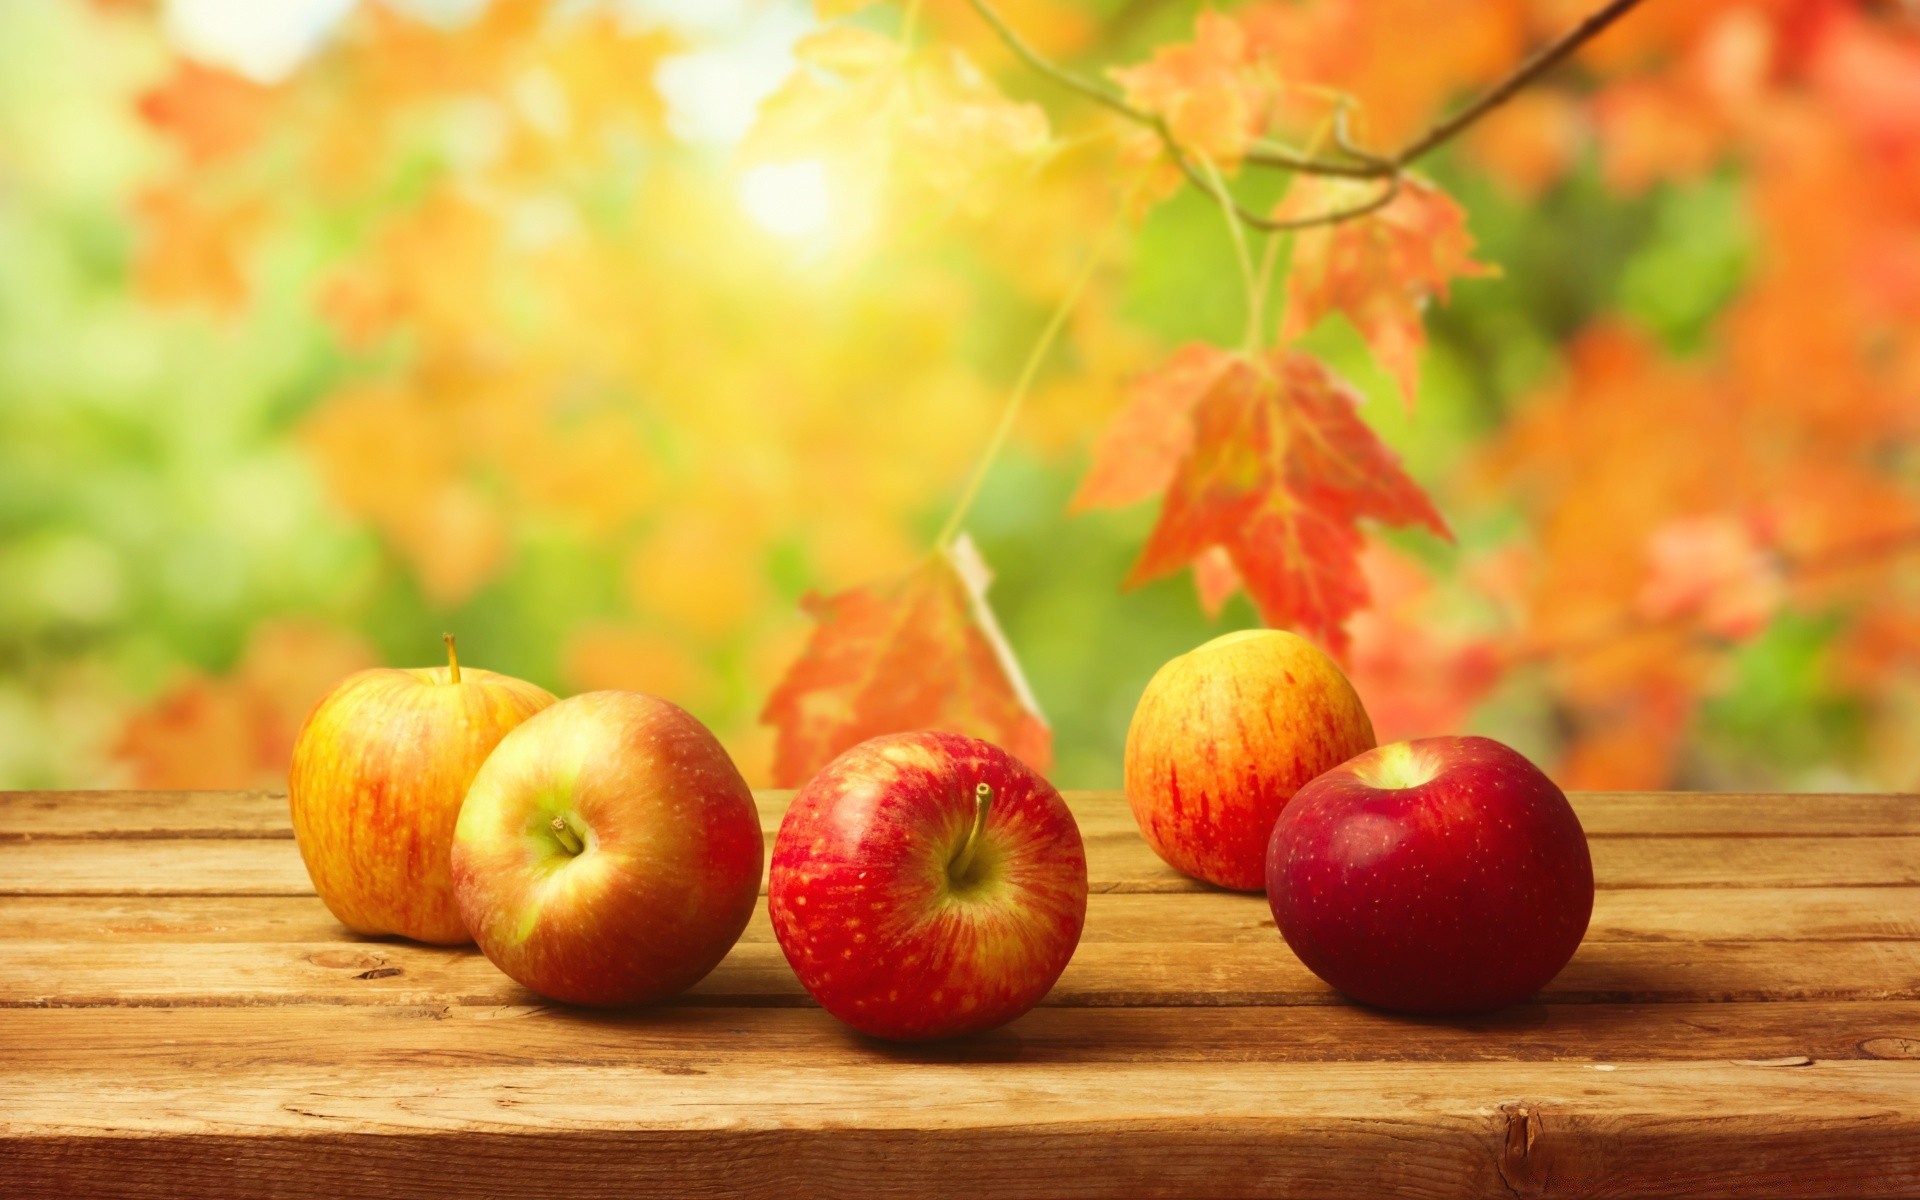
(1419, 673)
(1380, 270)
(1718, 570)
(1215, 93)
(237, 730)
(1263, 460)
(920, 651)
(212, 113)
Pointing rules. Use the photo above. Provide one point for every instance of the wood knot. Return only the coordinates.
(1522, 1128)
(1523, 1169)
(380, 973)
(1891, 1047)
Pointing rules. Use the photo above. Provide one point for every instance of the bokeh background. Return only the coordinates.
(328, 325)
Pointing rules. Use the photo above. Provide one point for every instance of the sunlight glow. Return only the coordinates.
(789, 199)
(264, 42)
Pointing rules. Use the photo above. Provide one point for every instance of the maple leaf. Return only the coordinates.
(920, 651)
(1419, 675)
(861, 100)
(1379, 270)
(1718, 570)
(210, 112)
(195, 249)
(1214, 93)
(1267, 470)
(237, 730)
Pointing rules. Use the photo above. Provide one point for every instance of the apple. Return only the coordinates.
(380, 767)
(1223, 737)
(1444, 875)
(609, 852)
(927, 885)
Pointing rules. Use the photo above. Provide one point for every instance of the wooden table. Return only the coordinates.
(179, 1016)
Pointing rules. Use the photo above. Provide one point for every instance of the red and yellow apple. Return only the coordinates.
(1223, 737)
(380, 768)
(1444, 875)
(927, 885)
(609, 852)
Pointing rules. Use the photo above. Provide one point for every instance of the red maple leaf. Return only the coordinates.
(920, 651)
(1380, 270)
(1264, 464)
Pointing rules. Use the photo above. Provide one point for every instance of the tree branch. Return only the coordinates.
(1543, 60)
(1358, 163)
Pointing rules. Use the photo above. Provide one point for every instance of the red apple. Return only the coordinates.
(1223, 736)
(1444, 875)
(927, 885)
(608, 852)
(379, 770)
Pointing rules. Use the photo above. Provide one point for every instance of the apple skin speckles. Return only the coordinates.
(871, 918)
(1223, 737)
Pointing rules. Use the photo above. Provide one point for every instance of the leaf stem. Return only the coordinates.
(1236, 230)
(1029, 370)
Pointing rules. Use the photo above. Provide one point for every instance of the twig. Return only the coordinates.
(1543, 60)
(1359, 163)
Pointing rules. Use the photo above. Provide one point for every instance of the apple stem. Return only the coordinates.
(453, 659)
(982, 801)
(569, 840)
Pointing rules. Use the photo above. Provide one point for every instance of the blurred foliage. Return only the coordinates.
(459, 326)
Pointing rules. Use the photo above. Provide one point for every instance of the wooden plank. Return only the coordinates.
(1115, 863)
(1604, 814)
(123, 815)
(1745, 814)
(894, 1127)
(1630, 915)
(66, 974)
(153, 867)
(189, 1041)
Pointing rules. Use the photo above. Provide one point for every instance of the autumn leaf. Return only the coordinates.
(1215, 95)
(1717, 570)
(1419, 673)
(211, 113)
(1265, 463)
(237, 730)
(193, 249)
(921, 651)
(1380, 270)
(862, 100)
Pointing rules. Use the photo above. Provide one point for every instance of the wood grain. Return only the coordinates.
(161, 1041)
(1101, 974)
(1632, 915)
(1603, 814)
(1115, 863)
(1082, 1130)
(180, 1016)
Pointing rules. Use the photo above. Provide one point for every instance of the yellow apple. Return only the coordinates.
(380, 769)
(1224, 736)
